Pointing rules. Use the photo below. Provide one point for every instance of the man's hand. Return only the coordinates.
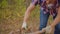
(49, 29)
(24, 25)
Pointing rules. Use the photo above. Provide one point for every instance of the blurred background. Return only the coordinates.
(12, 14)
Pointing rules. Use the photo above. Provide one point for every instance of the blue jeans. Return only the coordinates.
(44, 19)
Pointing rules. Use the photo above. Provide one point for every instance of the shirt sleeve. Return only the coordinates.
(59, 2)
(35, 2)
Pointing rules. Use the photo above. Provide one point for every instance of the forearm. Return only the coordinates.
(57, 19)
(28, 11)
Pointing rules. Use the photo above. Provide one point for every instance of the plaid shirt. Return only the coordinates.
(51, 8)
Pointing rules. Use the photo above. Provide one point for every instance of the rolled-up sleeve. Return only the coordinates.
(35, 2)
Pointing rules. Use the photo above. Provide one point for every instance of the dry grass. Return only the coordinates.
(13, 26)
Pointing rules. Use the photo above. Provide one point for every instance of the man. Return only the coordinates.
(44, 15)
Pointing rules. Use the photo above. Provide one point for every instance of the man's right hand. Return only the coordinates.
(49, 29)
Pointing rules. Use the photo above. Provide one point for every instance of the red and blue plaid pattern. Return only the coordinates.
(46, 9)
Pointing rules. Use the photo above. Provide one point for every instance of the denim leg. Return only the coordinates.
(57, 27)
(43, 19)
